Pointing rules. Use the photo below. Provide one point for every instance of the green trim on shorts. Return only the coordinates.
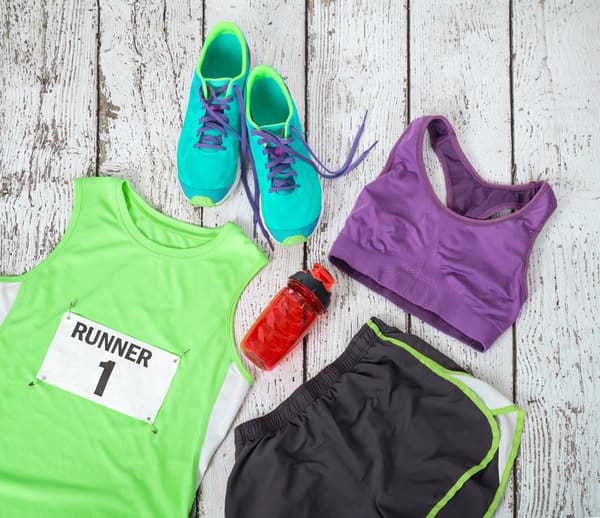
(511, 456)
(448, 375)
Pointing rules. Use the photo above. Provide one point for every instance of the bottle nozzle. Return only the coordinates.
(320, 273)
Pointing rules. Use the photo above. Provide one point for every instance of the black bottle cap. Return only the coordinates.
(318, 280)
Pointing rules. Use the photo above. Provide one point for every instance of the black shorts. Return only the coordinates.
(392, 428)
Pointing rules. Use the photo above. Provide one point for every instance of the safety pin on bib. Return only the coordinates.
(36, 381)
(71, 306)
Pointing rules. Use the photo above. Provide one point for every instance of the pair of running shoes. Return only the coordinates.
(238, 117)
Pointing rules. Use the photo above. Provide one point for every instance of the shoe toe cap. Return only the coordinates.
(202, 196)
(292, 236)
(206, 179)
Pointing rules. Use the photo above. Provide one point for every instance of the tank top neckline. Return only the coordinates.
(123, 190)
(542, 186)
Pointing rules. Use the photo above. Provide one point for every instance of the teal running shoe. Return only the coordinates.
(208, 153)
(286, 194)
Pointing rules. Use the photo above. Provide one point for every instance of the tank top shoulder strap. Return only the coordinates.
(467, 193)
(94, 203)
(97, 190)
(99, 201)
(87, 194)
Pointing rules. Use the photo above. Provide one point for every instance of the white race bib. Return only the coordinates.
(108, 367)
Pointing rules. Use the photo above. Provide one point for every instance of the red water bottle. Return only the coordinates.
(288, 317)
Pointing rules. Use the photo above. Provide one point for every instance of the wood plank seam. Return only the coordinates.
(515, 471)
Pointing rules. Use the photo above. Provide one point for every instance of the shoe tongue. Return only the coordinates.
(278, 129)
(215, 84)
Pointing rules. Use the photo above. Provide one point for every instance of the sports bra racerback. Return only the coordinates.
(447, 264)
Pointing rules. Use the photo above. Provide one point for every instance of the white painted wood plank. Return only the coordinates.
(557, 137)
(346, 76)
(459, 61)
(47, 122)
(147, 56)
(459, 67)
(275, 35)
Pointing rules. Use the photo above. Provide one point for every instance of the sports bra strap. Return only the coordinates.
(467, 193)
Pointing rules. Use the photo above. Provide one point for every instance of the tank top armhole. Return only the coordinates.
(258, 261)
(69, 230)
(10, 285)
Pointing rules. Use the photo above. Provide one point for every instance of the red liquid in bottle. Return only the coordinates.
(288, 317)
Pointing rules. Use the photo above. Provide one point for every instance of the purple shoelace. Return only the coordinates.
(281, 158)
(280, 153)
(215, 119)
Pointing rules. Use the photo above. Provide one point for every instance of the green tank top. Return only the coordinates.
(119, 373)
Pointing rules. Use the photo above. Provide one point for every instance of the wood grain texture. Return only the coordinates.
(87, 88)
(275, 35)
(346, 76)
(47, 122)
(557, 138)
(146, 61)
(459, 67)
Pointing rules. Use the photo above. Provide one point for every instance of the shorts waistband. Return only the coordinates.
(309, 392)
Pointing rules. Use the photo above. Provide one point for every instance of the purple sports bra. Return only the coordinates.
(447, 264)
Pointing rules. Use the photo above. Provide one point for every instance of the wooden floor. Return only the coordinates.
(98, 87)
